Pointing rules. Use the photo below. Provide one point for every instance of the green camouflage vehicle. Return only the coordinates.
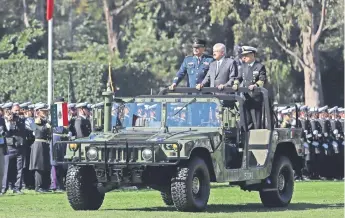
(178, 144)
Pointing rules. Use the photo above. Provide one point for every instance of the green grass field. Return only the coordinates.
(311, 199)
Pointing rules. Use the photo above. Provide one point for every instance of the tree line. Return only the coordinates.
(300, 42)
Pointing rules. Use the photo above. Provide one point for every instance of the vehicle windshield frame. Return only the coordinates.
(170, 99)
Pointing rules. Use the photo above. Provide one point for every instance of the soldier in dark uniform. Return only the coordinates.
(307, 137)
(3, 148)
(82, 123)
(29, 179)
(40, 157)
(196, 67)
(14, 160)
(58, 173)
(253, 75)
(72, 115)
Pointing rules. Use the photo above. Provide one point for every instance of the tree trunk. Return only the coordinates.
(313, 92)
(112, 35)
(25, 14)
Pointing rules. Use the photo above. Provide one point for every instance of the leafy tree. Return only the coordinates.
(297, 27)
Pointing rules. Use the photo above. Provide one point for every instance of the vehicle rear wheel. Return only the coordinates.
(190, 189)
(280, 190)
(166, 196)
(81, 188)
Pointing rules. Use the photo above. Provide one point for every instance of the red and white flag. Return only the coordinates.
(60, 114)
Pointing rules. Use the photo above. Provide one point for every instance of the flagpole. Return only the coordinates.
(50, 10)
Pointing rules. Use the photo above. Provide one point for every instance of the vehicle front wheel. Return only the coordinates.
(81, 188)
(280, 190)
(190, 189)
(166, 196)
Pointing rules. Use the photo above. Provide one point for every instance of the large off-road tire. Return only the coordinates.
(167, 198)
(81, 188)
(279, 192)
(190, 189)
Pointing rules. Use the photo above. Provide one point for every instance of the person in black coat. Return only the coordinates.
(40, 157)
(253, 74)
(82, 123)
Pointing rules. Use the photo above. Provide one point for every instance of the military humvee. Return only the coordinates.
(178, 144)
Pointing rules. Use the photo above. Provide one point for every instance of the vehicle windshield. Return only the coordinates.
(136, 114)
(186, 114)
(192, 114)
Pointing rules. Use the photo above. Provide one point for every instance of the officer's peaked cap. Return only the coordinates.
(153, 106)
(25, 105)
(248, 49)
(323, 109)
(31, 106)
(7, 105)
(313, 109)
(82, 105)
(280, 109)
(341, 109)
(71, 105)
(98, 105)
(285, 111)
(15, 104)
(333, 109)
(41, 106)
(179, 108)
(199, 43)
(303, 108)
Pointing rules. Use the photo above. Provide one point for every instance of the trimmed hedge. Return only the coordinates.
(26, 80)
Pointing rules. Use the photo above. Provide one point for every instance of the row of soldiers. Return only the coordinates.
(26, 144)
(323, 135)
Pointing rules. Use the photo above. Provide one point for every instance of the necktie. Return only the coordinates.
(218, 63)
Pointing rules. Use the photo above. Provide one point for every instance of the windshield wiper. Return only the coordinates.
(188, 103)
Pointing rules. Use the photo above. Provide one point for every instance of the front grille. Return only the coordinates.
(120, 154)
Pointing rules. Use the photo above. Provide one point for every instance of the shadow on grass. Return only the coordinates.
(253, 207)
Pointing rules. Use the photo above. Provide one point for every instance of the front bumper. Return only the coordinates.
(119, 153)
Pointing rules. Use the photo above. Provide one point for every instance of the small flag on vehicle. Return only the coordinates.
(59, 114)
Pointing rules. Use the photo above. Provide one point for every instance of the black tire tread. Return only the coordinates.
(81, 193)
(271, 198)
(167, 198)
(178, 189)
(180, 195)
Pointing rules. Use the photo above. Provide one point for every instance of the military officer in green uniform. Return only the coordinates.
(196, 66)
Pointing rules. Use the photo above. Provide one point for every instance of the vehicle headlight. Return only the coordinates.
(146, 154)
(335, 132)
(73, 147)
(315, 132)
(92, 154)
(174, 147)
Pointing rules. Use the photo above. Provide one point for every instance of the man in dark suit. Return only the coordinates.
(222, 72)
(253, 74)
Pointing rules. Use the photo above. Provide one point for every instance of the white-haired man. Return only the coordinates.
(222, 72)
